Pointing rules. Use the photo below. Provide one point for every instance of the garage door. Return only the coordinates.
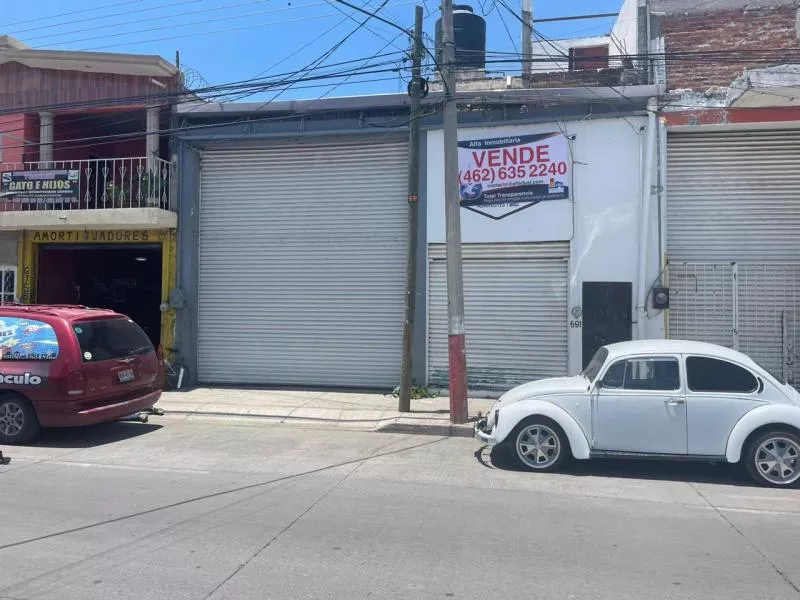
(515, 314)
(733, 196)
(733, 240)
(302, 264)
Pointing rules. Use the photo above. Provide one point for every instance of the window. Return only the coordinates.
(648, 374)
(615, 376)
(106, 339)
(27, 339)
(714, 375)
(594, 366)
(8, 284)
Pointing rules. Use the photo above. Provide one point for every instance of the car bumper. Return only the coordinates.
(101, 414)
(481, 433)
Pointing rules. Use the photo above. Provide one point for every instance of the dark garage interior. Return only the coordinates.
(126, 279)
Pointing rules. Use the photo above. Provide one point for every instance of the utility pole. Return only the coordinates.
(455, 284)
(413, 215)
(527, 41)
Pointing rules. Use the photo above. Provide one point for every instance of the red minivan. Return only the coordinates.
(62, 366)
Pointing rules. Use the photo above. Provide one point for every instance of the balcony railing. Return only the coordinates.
(139, 182)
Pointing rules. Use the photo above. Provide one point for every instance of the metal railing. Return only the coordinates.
(751, 307)
(138, 182)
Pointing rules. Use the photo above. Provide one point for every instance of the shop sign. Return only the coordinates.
(92, 236)
(53, 186)
(501, 176)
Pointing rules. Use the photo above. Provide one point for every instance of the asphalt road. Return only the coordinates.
(207, 509)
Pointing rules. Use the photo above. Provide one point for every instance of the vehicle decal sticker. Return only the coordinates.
(27, 339)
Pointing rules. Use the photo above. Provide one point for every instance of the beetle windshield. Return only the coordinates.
(594, 366)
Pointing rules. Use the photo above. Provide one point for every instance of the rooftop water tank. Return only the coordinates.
(469, 31)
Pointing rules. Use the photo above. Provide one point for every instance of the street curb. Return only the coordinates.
(381, 426)
(437, 430)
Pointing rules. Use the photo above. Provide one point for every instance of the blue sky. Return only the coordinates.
(232, 40)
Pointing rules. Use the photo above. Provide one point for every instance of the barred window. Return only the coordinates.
(8, 289)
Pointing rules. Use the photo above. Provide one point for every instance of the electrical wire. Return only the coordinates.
(344, 81)
(318, 62)
(65, 14)
(216, 91)
(107, 26)
(228, 30)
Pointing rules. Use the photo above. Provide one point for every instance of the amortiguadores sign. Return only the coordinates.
(502, 176)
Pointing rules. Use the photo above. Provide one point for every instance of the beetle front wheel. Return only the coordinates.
(539, 444)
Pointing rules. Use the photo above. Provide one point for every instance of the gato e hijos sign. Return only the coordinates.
(52, 186)
(501, 176)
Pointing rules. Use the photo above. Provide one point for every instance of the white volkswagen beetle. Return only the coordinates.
(663, 399)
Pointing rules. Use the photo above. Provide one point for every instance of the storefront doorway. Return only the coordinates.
(125, 278)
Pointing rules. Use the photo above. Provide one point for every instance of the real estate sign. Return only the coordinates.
(501, 176)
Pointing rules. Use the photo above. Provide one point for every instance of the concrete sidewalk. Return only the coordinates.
(371, 412)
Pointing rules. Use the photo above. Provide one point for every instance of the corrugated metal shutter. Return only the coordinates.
(733, 240)
(733, 196)
(302, 263)
(515, 305)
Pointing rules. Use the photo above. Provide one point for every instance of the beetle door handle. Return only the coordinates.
(675, 401)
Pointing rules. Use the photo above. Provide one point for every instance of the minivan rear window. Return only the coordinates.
(108, 339)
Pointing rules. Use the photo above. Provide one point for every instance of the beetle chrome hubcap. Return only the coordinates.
(12, 419)
(538, 446)
(778, 460)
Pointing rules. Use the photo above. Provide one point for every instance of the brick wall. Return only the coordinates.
(761, 29)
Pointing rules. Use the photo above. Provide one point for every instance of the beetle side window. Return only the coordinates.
(615, 376)
(715, 375)
(648, 374)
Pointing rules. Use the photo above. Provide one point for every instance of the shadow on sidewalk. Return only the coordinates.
(689, 472)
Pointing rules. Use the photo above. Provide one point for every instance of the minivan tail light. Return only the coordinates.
(76, 384)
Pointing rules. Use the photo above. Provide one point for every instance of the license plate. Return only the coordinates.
(126, 375)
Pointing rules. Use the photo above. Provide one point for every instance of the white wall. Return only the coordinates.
(8, 248)
(625, 32)
(606, 188)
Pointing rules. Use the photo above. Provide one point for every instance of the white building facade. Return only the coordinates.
(549, 280)
(294, 236)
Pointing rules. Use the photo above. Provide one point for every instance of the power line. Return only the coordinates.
(318, 62)
(367, 27)
(253, 86)
(139, 21)
(202, 33)
(508, 31)
(343, 82)
(64, 14)
(200, 22)
(98, 18)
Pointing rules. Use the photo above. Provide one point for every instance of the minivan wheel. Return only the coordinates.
(18, 421)
(773, 458)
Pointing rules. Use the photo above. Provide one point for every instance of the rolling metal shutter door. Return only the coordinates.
(733, 196)
(302, 264)
(733, 232)
(515, 304)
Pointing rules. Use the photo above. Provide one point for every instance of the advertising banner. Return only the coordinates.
(53, 186)
(501, 176)
(27, 339)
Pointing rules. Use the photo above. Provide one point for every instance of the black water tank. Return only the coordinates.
(469, 31)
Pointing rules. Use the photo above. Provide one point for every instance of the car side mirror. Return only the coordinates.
(598, 384)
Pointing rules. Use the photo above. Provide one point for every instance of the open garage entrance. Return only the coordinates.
(125, 278)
